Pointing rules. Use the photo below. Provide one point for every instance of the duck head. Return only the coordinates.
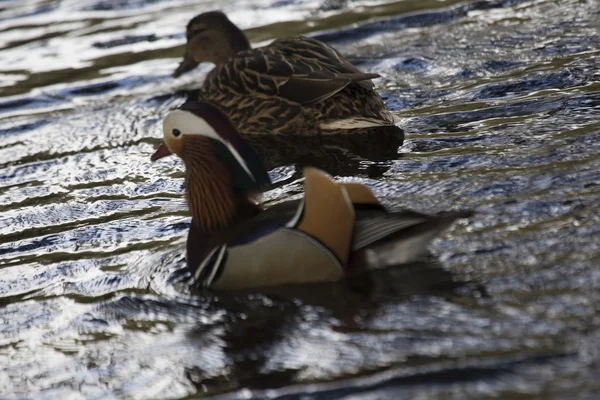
(222, 171)
(211, 37)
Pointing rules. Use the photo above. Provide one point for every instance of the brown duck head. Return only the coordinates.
(222, 171)
(211, 37)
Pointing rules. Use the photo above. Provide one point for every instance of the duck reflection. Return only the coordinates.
(339, 154)
(261, 326)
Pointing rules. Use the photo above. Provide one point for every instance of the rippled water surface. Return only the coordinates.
(500, 101)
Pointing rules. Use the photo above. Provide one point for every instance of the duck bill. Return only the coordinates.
(161, 152)
(186, 65)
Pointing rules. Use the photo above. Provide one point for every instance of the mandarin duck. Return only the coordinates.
(336, 229)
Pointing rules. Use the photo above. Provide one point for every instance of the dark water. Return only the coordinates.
(501, 105)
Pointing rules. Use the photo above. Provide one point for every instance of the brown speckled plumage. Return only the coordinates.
(294, 86)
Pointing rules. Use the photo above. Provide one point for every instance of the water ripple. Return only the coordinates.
(500, 101)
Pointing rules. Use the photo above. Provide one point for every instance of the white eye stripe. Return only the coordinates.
(189, 123)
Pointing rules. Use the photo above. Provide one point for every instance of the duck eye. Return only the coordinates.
(176, 132)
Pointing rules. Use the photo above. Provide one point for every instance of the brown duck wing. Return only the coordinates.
(314, 51)
(297, 69)
(318, 86)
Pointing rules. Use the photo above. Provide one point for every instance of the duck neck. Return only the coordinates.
(238, 40)
(213, 202)
(229, 44)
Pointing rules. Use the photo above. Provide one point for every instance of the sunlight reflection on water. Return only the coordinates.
(500, 101)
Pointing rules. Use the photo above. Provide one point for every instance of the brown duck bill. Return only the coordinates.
(161, 152)
(186, 65)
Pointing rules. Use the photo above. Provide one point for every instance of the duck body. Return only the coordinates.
(272, 248)
(296, 86)
(293, 86)
(336, 229)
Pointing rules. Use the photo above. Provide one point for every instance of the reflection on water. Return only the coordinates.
(500, 103)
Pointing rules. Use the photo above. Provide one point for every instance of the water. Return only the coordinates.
(500, 101)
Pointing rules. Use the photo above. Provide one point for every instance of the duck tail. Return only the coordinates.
(398, 238)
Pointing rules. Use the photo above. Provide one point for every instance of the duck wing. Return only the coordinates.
(382, 239)
(373, 226)
(301, 70)
(304, 49)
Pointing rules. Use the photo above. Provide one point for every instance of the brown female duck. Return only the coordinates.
(335, 230)
(293, 86)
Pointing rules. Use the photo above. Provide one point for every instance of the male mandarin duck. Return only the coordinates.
(335, 230)
(293, 86)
